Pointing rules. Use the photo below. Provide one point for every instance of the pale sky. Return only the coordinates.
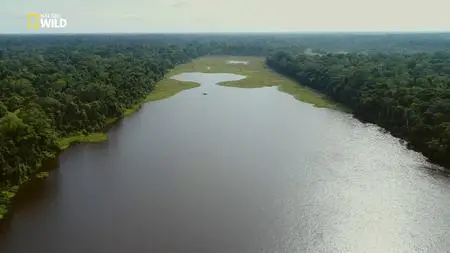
(111, 16)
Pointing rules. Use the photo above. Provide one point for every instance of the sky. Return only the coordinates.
(181, 16)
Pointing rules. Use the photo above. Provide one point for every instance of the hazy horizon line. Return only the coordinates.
(236, 32)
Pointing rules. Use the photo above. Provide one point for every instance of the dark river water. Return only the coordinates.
(235, 171)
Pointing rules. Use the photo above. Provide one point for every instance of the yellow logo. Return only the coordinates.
(33, 20)
(45, 20)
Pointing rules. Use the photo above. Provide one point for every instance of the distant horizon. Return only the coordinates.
(231, 32)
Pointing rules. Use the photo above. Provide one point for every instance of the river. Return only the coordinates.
(235, 171)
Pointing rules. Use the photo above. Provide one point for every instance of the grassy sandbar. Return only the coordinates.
(258, 76)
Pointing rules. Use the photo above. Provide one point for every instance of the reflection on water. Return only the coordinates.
(237, 62)
(239, 170)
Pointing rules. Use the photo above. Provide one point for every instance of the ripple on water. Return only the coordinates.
(238, 62)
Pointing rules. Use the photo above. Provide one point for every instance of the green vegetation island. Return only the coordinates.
(58, 90)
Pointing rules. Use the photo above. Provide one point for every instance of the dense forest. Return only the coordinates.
(50, 92)
(254, 44)
(47, 93)
(409, 95)
(54, 86)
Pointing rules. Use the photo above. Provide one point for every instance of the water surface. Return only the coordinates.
(239, 170)
(238, 62)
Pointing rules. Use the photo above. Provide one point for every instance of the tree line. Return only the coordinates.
(409, 95)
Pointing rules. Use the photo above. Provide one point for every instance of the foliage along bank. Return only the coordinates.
(51, 92)
(409, 95)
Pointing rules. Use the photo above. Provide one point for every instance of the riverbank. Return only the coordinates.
(258, 76)
(66, 142)
(7, 194)
(165, 88)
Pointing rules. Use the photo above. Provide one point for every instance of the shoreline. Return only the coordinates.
(165, 88)
(258, 75)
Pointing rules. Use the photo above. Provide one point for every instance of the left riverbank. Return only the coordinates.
(165, 88)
